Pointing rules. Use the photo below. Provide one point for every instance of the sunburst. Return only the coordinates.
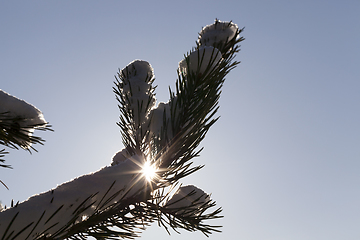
(149, 171)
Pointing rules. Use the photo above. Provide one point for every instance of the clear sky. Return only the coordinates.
(283, 160)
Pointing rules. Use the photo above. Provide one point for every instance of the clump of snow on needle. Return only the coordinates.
(157, 116)
(28, 116)
(217, 33)
(17, 108)
(188, 200)
(137, 79)
(160, 118)
(202, 60)
(120, 157)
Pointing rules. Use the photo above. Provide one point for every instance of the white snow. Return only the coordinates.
(218, 32)
(137, 86)
(205, 58)
(125, 178)
(189, 197)
(19, 108)
(157, 119)
(120, 157)
(29, 116)
(138, 68)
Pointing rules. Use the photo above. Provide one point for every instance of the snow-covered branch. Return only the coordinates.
(160, 143)
(72, 202)
(17, 108)
(18, 120)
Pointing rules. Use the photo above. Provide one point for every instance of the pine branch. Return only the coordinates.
(16, 133)
(166, 137)
(193, 106)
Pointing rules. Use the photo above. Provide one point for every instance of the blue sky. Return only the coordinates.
(282, 161)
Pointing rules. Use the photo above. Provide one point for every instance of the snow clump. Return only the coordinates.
(169, 112)
(217, 33)
(27, 116)
(13, 107)
(199, 61)
(137, 89)
(157, 116)
(189, 198)
(120, 157)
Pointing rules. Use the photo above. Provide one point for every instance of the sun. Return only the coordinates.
(149, 171)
